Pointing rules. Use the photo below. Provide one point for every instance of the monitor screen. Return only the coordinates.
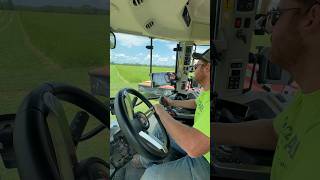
(161, 79)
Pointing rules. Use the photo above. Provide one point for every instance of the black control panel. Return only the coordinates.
(245, 5)
(234, 76)
(187, 58)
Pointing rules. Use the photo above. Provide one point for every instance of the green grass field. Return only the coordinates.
(38, 47)
(86, 43)
(123, 76)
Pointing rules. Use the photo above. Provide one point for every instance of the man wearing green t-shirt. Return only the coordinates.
(194, 141)
(294, 133)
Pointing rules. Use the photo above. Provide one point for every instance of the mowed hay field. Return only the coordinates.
(37, 47)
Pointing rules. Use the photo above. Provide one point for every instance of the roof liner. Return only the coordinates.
(162, 19)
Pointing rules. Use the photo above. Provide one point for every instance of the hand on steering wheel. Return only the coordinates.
(135, 125)
(165, 101)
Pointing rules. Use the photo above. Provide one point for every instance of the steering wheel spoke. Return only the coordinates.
(138, 103)
(43, 142)
(150, 112)
(154, 141)
(58, 119)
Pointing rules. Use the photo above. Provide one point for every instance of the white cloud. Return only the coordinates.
(164, 41)
(147, 57)
(122, 58)
(160, 60)
(141, 57)
(171, 46)
(160, 40)
(202, 49)
(163, 59)
(120, 55)
(129, 41)
(135, 58)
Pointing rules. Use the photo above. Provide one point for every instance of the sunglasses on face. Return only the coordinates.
(197, 65)
(274, 15)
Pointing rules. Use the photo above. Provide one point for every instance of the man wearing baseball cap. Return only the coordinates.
(194, 141)
(294, 134)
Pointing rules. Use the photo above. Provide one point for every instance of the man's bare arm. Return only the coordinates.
(189, 139)
(257, 134)
(190, 104)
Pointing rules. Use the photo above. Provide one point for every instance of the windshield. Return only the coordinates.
(130, 60)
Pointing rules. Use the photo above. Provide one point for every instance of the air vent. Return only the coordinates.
(149, 25)
(137, 2)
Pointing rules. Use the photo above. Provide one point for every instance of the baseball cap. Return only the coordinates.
(204, 56)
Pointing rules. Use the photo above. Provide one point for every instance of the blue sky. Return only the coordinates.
(131, 49)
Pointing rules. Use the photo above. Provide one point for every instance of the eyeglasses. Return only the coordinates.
(274, 15)
(197, 65)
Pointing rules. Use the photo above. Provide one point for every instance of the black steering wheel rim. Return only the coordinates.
(31, 147)
(130, 131)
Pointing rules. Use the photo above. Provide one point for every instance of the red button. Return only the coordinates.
(237, 23)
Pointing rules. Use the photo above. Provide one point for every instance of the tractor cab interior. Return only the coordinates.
(247, 86)
(186, 22)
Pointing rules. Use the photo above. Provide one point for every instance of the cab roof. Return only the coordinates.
(179, 20)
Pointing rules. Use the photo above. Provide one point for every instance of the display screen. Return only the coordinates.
(161, 79)
(235, 73)
(189, 49)
(245, 5)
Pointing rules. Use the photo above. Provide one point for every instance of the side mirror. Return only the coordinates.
(112, 40)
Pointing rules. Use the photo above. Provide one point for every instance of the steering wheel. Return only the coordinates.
(42, 139)
(135, 125)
